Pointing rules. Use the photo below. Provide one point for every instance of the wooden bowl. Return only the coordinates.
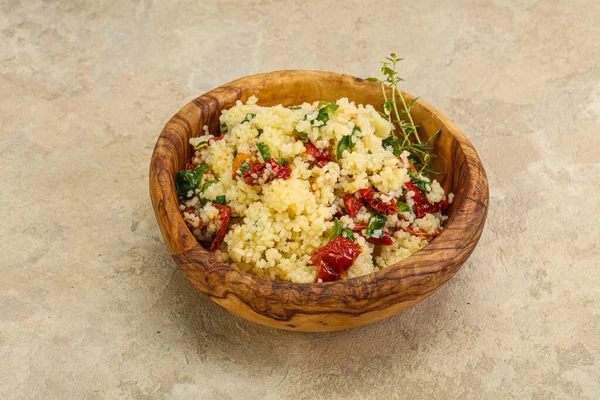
(319, 306)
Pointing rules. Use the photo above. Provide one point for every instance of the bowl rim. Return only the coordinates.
(472, 211)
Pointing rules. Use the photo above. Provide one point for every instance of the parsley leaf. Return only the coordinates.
(249, 117)
(188, 180)
(326, 112)
(243, 168)
(204, 187)
(403, 207)
(337, 229)
(264, 151)
(301, 135)
(220, 200)
(201, 145)
(347, 233)
(347, 143)
(421, 183)
(376, 224)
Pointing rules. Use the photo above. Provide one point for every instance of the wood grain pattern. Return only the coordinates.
(319, 306)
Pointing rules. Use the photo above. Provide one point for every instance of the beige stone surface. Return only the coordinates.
(93, 307)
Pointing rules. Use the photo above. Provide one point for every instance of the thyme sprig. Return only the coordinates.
(396, 107)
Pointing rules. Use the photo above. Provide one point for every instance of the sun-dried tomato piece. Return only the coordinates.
(224, 217)
(321, 164)
(421, 233)
(335, 258)
(252, 176)
(386, 240)
(315, 152)
(189, 167)
(374, 199)
(352, 204)
(422, 205)
(216, 139)
(359, 226)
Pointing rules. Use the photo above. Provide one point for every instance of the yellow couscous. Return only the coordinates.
(307, 193)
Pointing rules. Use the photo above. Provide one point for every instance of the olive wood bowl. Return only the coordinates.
(326, 306)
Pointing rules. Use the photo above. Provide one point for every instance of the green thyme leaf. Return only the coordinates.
(371, 79)
(392, 144)
(337, 229)
(295, 108)
(188, 180)
(264, 151)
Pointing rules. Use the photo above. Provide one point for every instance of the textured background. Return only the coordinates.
(92, 306)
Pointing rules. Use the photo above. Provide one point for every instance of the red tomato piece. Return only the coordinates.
(224, 217)
(216, 138)
(359, 226)
(421, 233)
(335, 258)
(321, 164)
(374, 199)
(386, 241)
(257, 172)
(316, 153)
(190, 167)
(422, 205)
(352, 204)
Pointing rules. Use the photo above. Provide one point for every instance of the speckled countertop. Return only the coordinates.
(93, 307)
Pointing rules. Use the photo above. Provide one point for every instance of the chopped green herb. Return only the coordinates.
(260, 132)
(421, 183)
(220, 200)
(376, 225)
(281, 162)
(301, 135)
(347, 233)
(369, 152)
(326, 112)
(235, 153)
(264, 151)
(249, 117)
(224, 128)
(204, 187)
(243, 168)
(347, 143)
(392, 144)
(188, 180)
(201, 145)
(403, 207)
(295, 108)
(337, 229)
